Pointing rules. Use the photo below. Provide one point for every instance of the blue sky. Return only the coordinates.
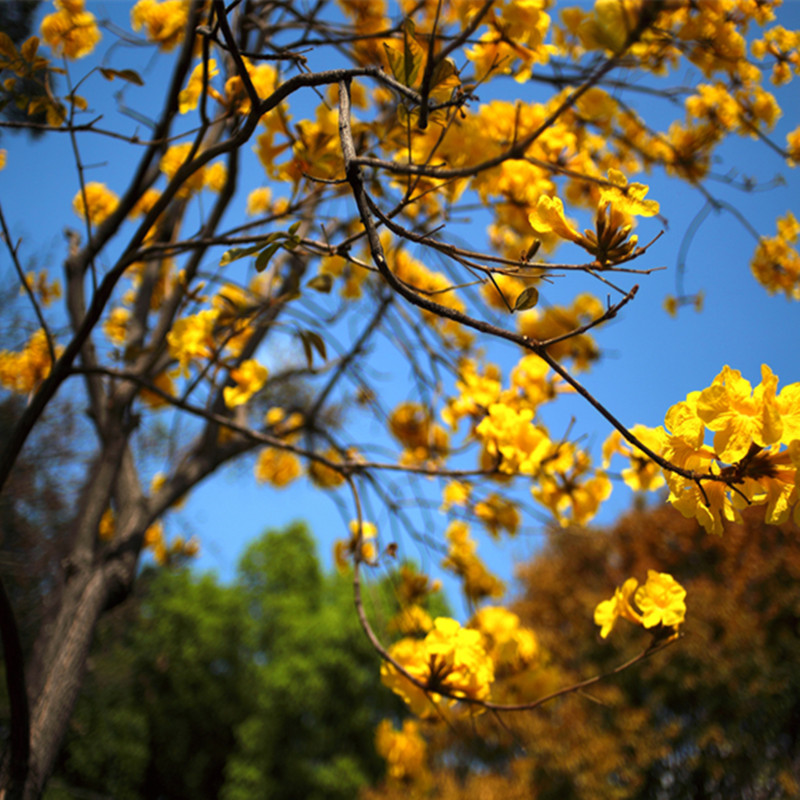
(651, 360)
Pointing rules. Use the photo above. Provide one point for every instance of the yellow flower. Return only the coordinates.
(497, 513)
(190, 96)
(71, 31)
(609, 611)
(643, 474)
(740, 416)
(164, 22)
(173, 160)
(625, 198)
(661, 600)
(22, 372)
(46, 292)
(215, 176)
(463, 561)
(403, 750)
(193, 338)
(510, 646)
(249, 376)
(99, 199)
(324, 476)
(450, 658)
(277, 467)
(258, 201)
(116, 325)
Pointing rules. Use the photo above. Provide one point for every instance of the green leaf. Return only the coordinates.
(527, 298)
(235, 253)
(264, 257)
(129, 75)
(321, 283)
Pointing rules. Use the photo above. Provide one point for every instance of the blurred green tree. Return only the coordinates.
(263, 687)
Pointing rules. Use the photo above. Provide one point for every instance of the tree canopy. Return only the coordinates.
(261, 687)
(375, 248)
(718, 718)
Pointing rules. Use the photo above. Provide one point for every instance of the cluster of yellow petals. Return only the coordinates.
(360, 546)
(784, 47)
(660, 601)
(753, 458)
(277, 467)
(514, 41)
(423, 440)
(164, 22)
(71, 31)
(404, 750)
(449, 659)
(249, 377)
(212, 177)
(164, 553)
(510, 646)
(776, 261)
(643, 475)
(22, 372)
(462, 559)
(44, 291)
(100, 201)
(611, 241)
(192, 338)
(323, 476)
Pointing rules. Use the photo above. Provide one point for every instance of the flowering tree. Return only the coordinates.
(181, 300)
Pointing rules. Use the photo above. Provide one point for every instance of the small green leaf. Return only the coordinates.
(265, 256)
(235, 253)
(321, 283)
(528, 298)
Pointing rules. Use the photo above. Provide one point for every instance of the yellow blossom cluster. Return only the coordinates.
(422, 439)
(557, 321)
(22, 372)
(323, 476)
(449, 659)
(71, 31)
(659, 602)
(359, 547)
(412, 591)
(515, 40)
(510, 646)
(193, 338)
(573, 494)
(164, 22)
(164, 554)
(610, 242)
(277, 467)
(404, 750)
(753, 458)
(44, 291)
(248, 378)
(776, 262)
(99, 199)
(644, 474)
(784, 47)
(462, 559)
(167, 554)
(212, 177)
